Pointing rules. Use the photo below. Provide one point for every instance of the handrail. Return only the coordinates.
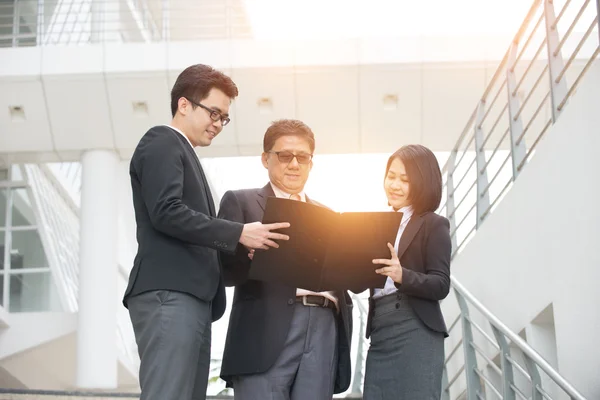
(495, 77)
(76, 22)
(509, 127)
(517, 341)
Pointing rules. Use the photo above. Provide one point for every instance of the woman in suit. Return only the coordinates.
(407, 330)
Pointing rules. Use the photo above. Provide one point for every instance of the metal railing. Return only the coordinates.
(540, 71)
(76, 22)
(502, 360)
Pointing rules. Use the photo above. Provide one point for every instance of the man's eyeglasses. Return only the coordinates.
(214, 114)
(286, 157)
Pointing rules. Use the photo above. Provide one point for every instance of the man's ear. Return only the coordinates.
(264, 158)
(183, 105)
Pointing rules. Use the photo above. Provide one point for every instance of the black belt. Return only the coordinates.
(315, 301)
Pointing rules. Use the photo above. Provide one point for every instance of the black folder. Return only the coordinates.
(327, 250)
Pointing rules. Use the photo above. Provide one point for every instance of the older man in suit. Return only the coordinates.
(283, 342)
(175, 288)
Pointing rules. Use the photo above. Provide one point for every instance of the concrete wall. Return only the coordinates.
(535, 261)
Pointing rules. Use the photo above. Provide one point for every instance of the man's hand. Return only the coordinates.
(259, 236)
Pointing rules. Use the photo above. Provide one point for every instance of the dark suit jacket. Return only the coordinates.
(178, 234)
(424, 252)
(262, 312)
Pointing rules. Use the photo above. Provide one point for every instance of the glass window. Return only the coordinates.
(15, 173)
(32, 292)
(2, 290)
(27, 250)
(3, 197)
(22, 212)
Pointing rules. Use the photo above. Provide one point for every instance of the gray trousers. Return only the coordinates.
(306, 367)
(173, 333)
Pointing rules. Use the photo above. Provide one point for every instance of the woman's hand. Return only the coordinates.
(393, 268)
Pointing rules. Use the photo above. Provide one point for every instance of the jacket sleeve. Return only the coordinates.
(235, 267)
(434, 283)
(159, 169)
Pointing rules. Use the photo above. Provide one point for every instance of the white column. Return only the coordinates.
(97, 324)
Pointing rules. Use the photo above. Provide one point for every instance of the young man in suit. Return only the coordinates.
(283, 342)
(175, 288)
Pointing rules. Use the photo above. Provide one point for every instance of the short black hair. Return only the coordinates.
(195, 83)
(424, 177)
(287, 127)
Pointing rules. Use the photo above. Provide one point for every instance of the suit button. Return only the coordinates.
(291, 301)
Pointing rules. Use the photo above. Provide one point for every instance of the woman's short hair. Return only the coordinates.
(424, 176)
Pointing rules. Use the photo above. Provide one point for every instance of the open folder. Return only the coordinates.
(326, 250)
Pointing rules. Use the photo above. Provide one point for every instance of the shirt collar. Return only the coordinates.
(280, 193)
(182, 134)
(407, 212)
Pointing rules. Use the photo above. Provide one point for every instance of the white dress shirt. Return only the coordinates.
(182, 134)
(390, 285)
(303, 292)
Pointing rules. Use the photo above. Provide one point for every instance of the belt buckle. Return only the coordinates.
(305, 303)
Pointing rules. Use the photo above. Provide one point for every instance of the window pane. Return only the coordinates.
(3, 193)
(32, 292)
(27, 250)
(2, 290)
(22, 212)
(2, 235)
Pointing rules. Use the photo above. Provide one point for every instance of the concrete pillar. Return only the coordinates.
(97, 324)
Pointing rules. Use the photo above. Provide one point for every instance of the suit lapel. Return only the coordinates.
(211, 203)
(192, 153)
(415, 223)
(263, 194)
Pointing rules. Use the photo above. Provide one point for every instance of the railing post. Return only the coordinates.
(558, 90)
(97, 22)
(450, 209)
(474, 387)
(598, 17)
(536, 380)
(7, 246)
(16, 24)
(445, 388)
(165, 20)
(357, 380)
(40, 23)
(483, 198)
(507, 369)
(517, 148)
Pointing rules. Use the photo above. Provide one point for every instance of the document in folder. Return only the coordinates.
(326, 250)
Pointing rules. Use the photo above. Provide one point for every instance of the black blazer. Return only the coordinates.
(261, 313)
(424, 252)
(178, 233)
